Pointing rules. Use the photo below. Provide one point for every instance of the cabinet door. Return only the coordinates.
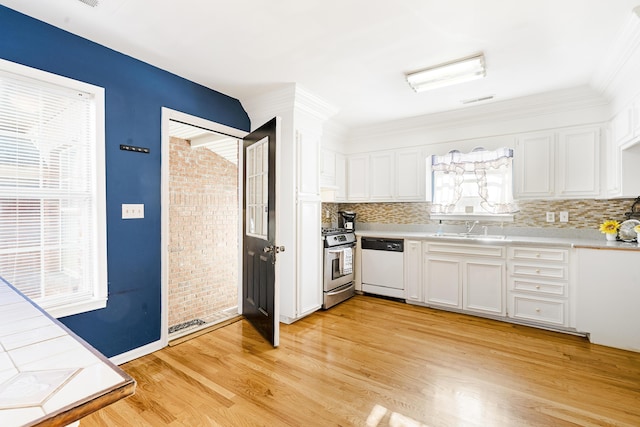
(607, 304)
(621, 126)
(413, 270)
(341, 178)
(578, 165)
(484, 287)
(308, 148)
(381, 176)
(358, 178)
(410, 175)
(534, 165)
(443, 282)
(309, 280)
(635, 118)
(327, 168)
(613, 168)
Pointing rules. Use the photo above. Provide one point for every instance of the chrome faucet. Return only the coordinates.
(470, 225)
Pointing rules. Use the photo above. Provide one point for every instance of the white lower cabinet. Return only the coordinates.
(472, 278)
(443, 281)
(538, 309)
(484, 286)
(413, 270)
(467, 277)
(539, 285)
(607, 303)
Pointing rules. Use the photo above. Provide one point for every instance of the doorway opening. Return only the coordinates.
(203, 214)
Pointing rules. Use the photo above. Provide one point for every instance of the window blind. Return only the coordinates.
(48, 234)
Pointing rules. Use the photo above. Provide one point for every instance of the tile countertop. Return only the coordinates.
(48, 375)
(508, 240)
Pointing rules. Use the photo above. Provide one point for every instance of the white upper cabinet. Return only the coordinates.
(327, 168)
(625, 125)
(613, 176)
(621, 128)
(410, 175)
(358, 178)
(308, 148)
(635, 118)
(562, 164)
(578, 165)
(623, 153)
(534, 165)
(333, 171)
(381, 173)
(341, 178)
(386, 176)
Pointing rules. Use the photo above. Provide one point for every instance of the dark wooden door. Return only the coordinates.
(259, 287)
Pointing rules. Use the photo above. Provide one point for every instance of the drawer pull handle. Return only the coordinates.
(537, 286)
(538, 271)
(537, 255)
(537, 310)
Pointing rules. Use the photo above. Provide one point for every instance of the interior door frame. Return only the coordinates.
(167, 115)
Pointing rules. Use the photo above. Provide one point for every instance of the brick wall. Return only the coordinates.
(203, 233)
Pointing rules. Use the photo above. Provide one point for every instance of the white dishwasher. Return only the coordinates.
(382, 268)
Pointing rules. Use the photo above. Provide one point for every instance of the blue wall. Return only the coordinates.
(134, 93)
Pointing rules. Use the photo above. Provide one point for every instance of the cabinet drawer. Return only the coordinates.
(538, 287)
(559, 272)
(540, 310)
(542, 254)
(481, 250)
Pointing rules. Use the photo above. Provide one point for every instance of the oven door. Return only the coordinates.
(338, 266)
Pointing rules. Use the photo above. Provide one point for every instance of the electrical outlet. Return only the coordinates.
(564, 216)
(132, 211)
(551, 217)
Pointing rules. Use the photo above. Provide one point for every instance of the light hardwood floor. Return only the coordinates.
(370, 361)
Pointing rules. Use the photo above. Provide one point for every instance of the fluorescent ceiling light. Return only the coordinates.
(450, 73)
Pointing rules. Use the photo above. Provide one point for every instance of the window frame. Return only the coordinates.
(98, 297)
(463, 216)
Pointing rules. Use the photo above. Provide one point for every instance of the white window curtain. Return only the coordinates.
(488, 172)
(49, 231)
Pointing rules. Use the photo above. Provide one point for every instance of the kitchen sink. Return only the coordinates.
(468, 236)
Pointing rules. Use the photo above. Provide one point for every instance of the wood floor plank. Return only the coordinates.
(392, 363)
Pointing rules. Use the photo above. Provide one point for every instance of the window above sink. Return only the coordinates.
(476, 185)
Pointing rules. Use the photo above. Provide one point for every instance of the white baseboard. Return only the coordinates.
(137, 352)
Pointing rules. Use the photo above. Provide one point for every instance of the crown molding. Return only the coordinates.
(277, 100)
(626, 47)
(288, 98)
(544, 104)
(313, 105)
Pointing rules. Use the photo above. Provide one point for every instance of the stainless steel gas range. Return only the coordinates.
(338, 268)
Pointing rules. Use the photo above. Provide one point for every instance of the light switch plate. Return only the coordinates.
(551, 217)
(564, 216)
(135, 211)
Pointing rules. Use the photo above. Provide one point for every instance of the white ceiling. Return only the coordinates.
(354, 53)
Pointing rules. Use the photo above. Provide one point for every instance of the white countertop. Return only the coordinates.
(512, 240)
(49, 376)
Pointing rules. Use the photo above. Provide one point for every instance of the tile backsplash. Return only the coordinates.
(585, 214)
